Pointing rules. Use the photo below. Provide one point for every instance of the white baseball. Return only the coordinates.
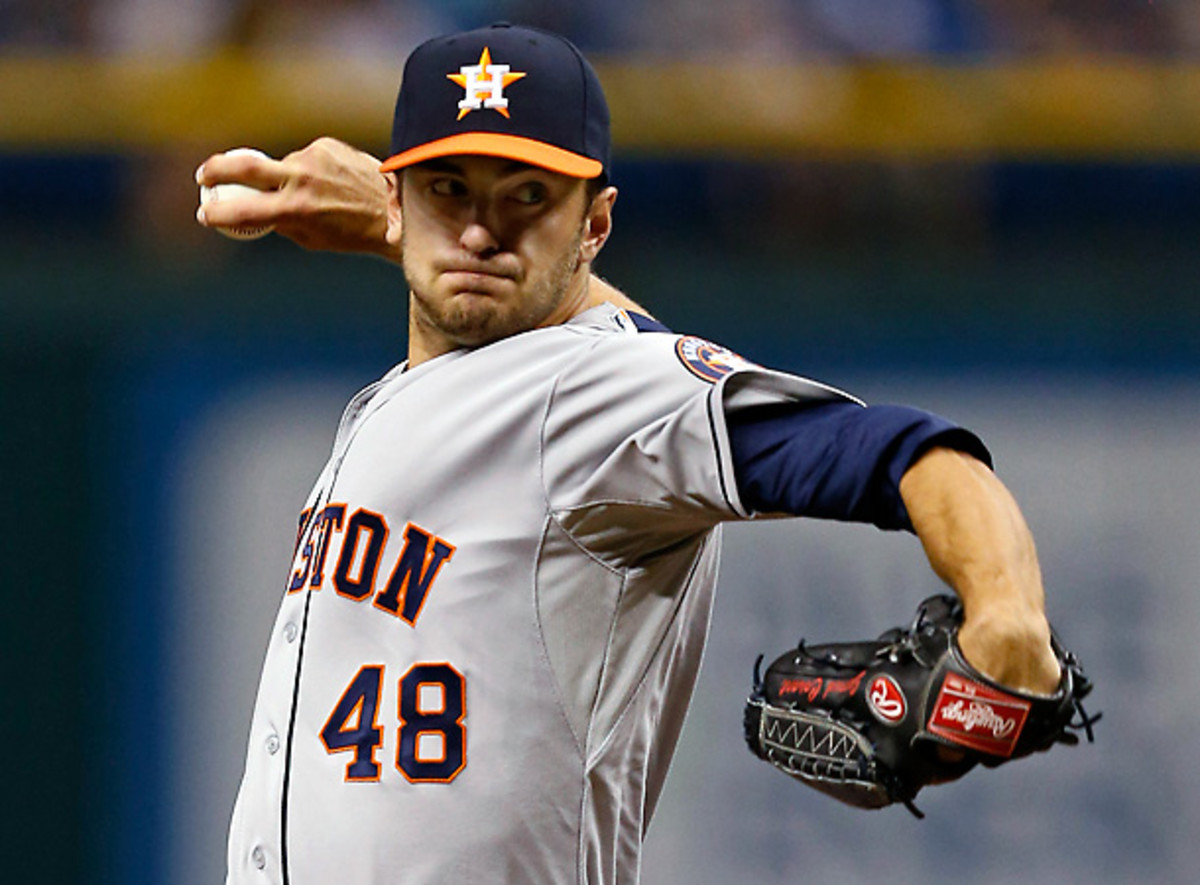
(221, 192)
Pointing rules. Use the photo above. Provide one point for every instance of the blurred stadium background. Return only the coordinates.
(987, 207)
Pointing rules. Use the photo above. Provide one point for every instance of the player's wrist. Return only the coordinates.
(1011, 646)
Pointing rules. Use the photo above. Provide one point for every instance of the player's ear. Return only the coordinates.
(598, 223)
(394, 212)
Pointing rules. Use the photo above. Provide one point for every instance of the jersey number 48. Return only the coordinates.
(431, 744)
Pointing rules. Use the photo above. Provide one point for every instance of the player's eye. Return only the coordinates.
(448, 187)
(530, 193)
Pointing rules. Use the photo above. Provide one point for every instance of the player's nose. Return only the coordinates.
(478, 238)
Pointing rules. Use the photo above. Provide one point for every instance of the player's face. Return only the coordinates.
(491, 248)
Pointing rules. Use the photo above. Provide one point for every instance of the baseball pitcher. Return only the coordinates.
(502, 579)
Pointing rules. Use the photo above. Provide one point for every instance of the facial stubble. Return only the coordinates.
(481, 319)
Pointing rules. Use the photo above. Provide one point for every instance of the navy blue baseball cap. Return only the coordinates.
(502, 91)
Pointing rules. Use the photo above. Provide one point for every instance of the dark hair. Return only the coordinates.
(595, 185)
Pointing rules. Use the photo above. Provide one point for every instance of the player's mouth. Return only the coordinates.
(499, 265)
(478, 278)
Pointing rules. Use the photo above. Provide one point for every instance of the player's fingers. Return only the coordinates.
(242, 167)
(253, 209)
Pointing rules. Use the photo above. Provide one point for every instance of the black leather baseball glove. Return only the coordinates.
(871, 723)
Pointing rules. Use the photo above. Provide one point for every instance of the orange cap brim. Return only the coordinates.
(493, 144)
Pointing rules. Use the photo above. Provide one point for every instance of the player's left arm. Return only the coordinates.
(978, 542)
(903, 468)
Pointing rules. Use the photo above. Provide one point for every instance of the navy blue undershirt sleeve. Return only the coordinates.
(837, 461)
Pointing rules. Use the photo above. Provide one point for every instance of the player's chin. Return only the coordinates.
(472, 319)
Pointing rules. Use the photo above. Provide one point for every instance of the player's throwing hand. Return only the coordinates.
(327, 196)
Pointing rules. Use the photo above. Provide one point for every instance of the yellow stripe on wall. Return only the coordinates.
(1068, 108)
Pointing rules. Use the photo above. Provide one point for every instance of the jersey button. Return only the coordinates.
(290, 631)
(273, 744)
(258, 857)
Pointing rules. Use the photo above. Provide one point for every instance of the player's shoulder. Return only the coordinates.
(635, 349)
(626, 341)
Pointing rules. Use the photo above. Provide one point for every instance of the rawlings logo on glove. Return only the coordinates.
(978, 717)
(864, 721)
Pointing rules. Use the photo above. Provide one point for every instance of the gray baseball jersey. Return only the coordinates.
(495, 614)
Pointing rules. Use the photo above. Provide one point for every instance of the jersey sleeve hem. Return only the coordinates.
(753, 388)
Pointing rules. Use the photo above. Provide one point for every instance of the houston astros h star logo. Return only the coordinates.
(484, 83)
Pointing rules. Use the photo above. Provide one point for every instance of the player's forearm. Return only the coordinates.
(979, 543)
(973, 532)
